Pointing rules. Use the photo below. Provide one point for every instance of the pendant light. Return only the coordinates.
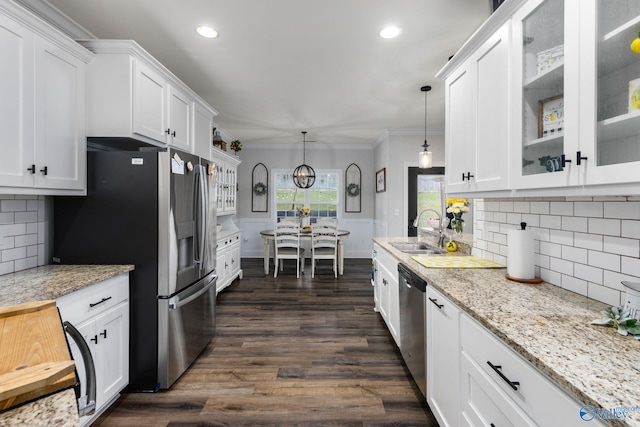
(304, 176)
(424, 157)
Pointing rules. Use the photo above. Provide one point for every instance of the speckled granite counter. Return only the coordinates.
(549, 327)
(57, 410)
(49, 283)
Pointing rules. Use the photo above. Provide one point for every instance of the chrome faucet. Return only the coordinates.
(440, 226)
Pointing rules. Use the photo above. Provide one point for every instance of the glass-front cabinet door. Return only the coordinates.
(611, 91)
(546, 45)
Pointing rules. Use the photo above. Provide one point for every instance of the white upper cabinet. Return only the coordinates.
(610, 95)
(478, 119)
(571, 110)
(202, 130)
(41, 108)
(546, 98)
(132, 95)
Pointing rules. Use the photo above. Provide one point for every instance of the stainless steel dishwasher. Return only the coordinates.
(412, 291)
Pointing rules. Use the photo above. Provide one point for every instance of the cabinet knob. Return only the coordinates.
(32, 169)
(580, 158)
(45, 170)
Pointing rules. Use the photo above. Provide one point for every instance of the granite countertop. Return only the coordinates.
(548, 326)
(49, 283)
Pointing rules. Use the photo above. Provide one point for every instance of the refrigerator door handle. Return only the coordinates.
(90, 407)
(178, 302)
(201, 207)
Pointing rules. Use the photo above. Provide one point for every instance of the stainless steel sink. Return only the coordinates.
(418, 248)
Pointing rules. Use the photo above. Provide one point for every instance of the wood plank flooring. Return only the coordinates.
(289, 351)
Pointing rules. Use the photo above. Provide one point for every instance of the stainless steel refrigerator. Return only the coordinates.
(154, 209)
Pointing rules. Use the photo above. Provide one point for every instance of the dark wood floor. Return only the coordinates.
(289, 352)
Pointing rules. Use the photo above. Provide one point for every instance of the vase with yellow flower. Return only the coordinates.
(303, 215)
(455, 209)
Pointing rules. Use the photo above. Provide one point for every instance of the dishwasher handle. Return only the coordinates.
(90, 407)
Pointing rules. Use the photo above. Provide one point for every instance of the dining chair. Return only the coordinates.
(286, 239)
(324, 244)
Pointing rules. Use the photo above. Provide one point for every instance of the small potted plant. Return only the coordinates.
(236, 146)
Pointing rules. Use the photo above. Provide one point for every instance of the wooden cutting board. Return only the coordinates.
(34, 355)
(456, 261)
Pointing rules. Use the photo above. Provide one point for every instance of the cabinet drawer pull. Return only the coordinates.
(45, 170)
(32, 169)
(94, 339)
(467, 177)
(104, 334)
(435, 301)
(513, 384)
(93, 304)
(564, 161)
(168, 131)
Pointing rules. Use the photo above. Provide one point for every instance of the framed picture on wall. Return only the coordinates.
(381, 180)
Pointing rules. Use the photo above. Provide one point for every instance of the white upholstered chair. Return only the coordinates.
(287, 245)
(324, 244)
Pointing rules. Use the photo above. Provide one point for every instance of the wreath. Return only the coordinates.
(353, 190)
(259, 189)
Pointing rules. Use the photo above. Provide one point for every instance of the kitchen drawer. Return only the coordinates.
(93, 300)
(483, 403)
(544, 401)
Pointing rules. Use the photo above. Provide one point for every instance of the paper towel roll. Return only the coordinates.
(520, 254)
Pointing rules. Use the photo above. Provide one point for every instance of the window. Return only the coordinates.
(322, 199)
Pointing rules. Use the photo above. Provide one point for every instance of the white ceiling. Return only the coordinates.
(283, 66)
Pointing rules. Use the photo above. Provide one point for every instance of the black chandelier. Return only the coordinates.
(304, 176)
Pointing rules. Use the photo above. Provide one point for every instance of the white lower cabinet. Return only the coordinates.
(101, 313)
(443, 355)
(386, 281)
(228, 266)
(499, 387)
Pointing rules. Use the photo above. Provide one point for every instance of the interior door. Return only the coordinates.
(423, 193)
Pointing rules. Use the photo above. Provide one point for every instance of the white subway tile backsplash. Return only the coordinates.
(574, 254)
(622, 210)
(604, 294)
(574, 284)
(618, 245)
(22, 232)
(604, 260)
(630, 266)
(631, 229)
(561, 208)
(588, 209)
(588, 241)
(539, 208)
(561, 266)
(572, 223)
(584, 244)
(610, 227)
(588, 273)
(561, 237)
(13, 205)
(551, 221)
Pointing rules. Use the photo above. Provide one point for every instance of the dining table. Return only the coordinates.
(267, 236)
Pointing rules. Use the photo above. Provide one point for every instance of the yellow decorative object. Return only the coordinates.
(452, 246)
(454, 261)
(635, 45)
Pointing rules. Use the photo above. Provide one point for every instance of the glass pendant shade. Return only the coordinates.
(424, 156)
(424, 159)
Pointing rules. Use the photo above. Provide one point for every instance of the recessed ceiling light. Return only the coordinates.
(390, 32)
(208, 32)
